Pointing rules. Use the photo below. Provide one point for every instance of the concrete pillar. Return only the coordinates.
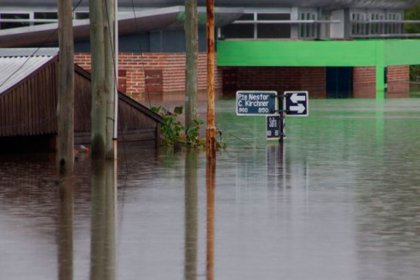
(341, 30)
(294, 30)
(380, 81)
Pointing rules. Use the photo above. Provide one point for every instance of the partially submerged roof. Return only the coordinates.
(18, 64)
(147, 20)
(28, 100)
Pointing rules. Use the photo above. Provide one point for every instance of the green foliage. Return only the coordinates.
(174, 133)
(192, 133)
(171, 129)
(414, 72)
(412, 13)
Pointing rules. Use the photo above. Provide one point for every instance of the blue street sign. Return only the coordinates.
(296, 103)
(256, 103)
(273, 127)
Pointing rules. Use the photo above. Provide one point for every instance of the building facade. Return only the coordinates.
(152, 44)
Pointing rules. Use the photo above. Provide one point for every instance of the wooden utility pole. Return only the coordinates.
(191, 52)
(110, 76)
(97, 50)
(65, 106)
(103, 77)
(211, 119)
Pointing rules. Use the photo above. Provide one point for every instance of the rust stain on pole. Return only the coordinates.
(211, 122)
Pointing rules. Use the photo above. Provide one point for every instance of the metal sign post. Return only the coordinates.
(282, 122)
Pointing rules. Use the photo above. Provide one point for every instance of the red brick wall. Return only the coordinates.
(133, 65)
(280, 79)
(364, 85)
(398, 81)
(313, 79)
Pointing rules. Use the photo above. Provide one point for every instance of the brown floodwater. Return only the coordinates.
(340, 199)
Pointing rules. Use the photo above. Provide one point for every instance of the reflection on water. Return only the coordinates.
(339, 200)
(210, 186)
(191, 215)
(103, 221)
(65, 229)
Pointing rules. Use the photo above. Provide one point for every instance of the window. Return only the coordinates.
(14, 20)
(261, 25)
(393, 26)
(47, 17)
(377, 24)
(359, 22)
(81, 15)
(308, 30)
(273, 30)
(242, 28)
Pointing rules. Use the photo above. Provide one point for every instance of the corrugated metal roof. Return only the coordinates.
(17, 64)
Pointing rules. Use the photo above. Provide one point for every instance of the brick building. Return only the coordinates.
(152, 60)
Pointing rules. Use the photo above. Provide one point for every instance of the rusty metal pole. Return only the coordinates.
(65, 106)
(211, 119)
(210, 139)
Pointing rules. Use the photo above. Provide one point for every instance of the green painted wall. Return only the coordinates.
(317, 53)
(296, 53)
(377, 53)
(402, 52)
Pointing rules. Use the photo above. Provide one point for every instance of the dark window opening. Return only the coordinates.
(267, 31)
(238, 31)
(14, 20)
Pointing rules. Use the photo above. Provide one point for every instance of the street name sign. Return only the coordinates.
(296, 103)
(256, 103)
(273, 127)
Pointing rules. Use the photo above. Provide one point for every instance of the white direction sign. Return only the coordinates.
(296, 103)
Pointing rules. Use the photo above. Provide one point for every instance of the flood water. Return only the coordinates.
(339, 200)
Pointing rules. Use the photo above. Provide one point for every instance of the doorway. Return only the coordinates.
(339, 82)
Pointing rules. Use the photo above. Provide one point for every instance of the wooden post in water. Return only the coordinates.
(211, 119)
(191, 52)
(65, 106)
(110, 76)
(102, 19)
(97, 49)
